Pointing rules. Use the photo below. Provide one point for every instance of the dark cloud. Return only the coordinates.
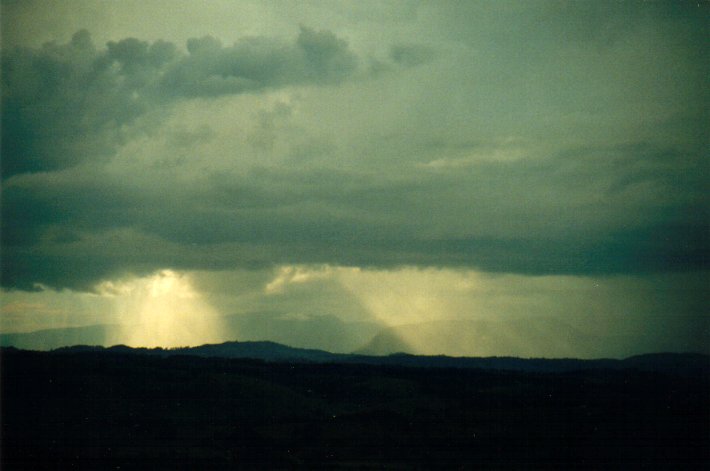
(256, 63)
(63, 104)
(612, 210)
(639, 251)
(583, 164)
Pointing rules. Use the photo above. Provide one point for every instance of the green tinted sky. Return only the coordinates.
(393, 163)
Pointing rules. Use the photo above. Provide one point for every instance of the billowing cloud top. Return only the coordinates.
(561, 140)
(65, 103)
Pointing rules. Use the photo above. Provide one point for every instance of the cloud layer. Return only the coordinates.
(65, 103)
(451, 137)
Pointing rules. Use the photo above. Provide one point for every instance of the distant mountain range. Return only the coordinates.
(326, 332)
(510, 336)
(548, 337)
(680, 363)
(47, 339)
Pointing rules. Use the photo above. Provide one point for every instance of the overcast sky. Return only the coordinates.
(459, 170)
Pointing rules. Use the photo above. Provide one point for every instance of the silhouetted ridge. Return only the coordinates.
(680, 363)
(268, 351)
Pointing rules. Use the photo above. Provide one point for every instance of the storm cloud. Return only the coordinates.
(572, 146)
(64, 103)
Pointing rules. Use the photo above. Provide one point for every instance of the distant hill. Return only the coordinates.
(274, 352)
(325, 332)
(267, 351)
(47, 339)
(547, 337)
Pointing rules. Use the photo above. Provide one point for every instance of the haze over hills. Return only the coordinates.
(323, 332)
(538, 337)
(514, 337)
(48, 339)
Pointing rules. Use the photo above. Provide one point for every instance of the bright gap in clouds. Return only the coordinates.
(163, 310)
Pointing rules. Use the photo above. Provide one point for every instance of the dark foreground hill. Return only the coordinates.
(118, 409)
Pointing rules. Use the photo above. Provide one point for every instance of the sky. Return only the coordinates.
(465, 178)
